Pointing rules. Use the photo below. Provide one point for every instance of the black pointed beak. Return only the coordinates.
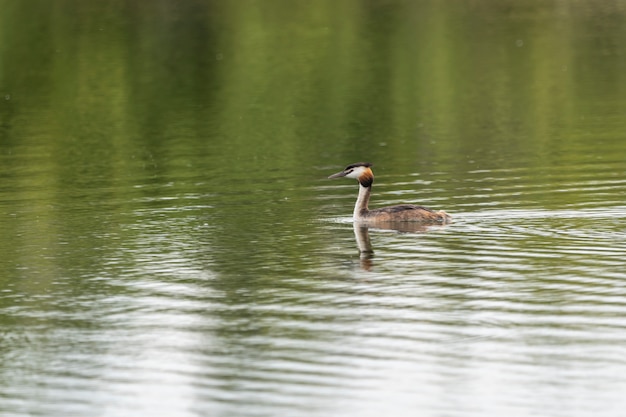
(338, 175)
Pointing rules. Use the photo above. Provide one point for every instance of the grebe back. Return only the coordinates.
(362, 172)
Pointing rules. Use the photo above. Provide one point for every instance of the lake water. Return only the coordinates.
(171, 245)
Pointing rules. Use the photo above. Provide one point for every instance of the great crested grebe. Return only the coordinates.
(362, 172)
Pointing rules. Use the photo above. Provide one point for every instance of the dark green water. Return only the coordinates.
(171, 245)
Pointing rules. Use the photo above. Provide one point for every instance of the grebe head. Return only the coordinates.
(360, 171)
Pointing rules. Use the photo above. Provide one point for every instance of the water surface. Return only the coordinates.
(171, 245)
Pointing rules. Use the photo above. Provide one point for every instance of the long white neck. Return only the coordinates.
(360, 208)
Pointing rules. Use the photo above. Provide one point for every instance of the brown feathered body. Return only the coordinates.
(401, 213)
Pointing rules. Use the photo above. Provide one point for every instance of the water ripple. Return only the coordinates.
(519, 295)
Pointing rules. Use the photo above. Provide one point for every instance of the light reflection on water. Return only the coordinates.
(171, 246)
(477, 316)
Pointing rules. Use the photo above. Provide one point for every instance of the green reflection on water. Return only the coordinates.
(108, 103)
(134, 135)
(249, 79)
(99, 99)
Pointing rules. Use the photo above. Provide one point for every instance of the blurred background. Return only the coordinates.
(171, 246)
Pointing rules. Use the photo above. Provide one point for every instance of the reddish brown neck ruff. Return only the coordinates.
(366, 179)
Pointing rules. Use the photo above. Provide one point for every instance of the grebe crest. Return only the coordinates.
(362, 172)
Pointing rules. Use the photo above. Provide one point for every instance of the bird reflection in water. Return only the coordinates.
(364, 243)
(407, 218)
